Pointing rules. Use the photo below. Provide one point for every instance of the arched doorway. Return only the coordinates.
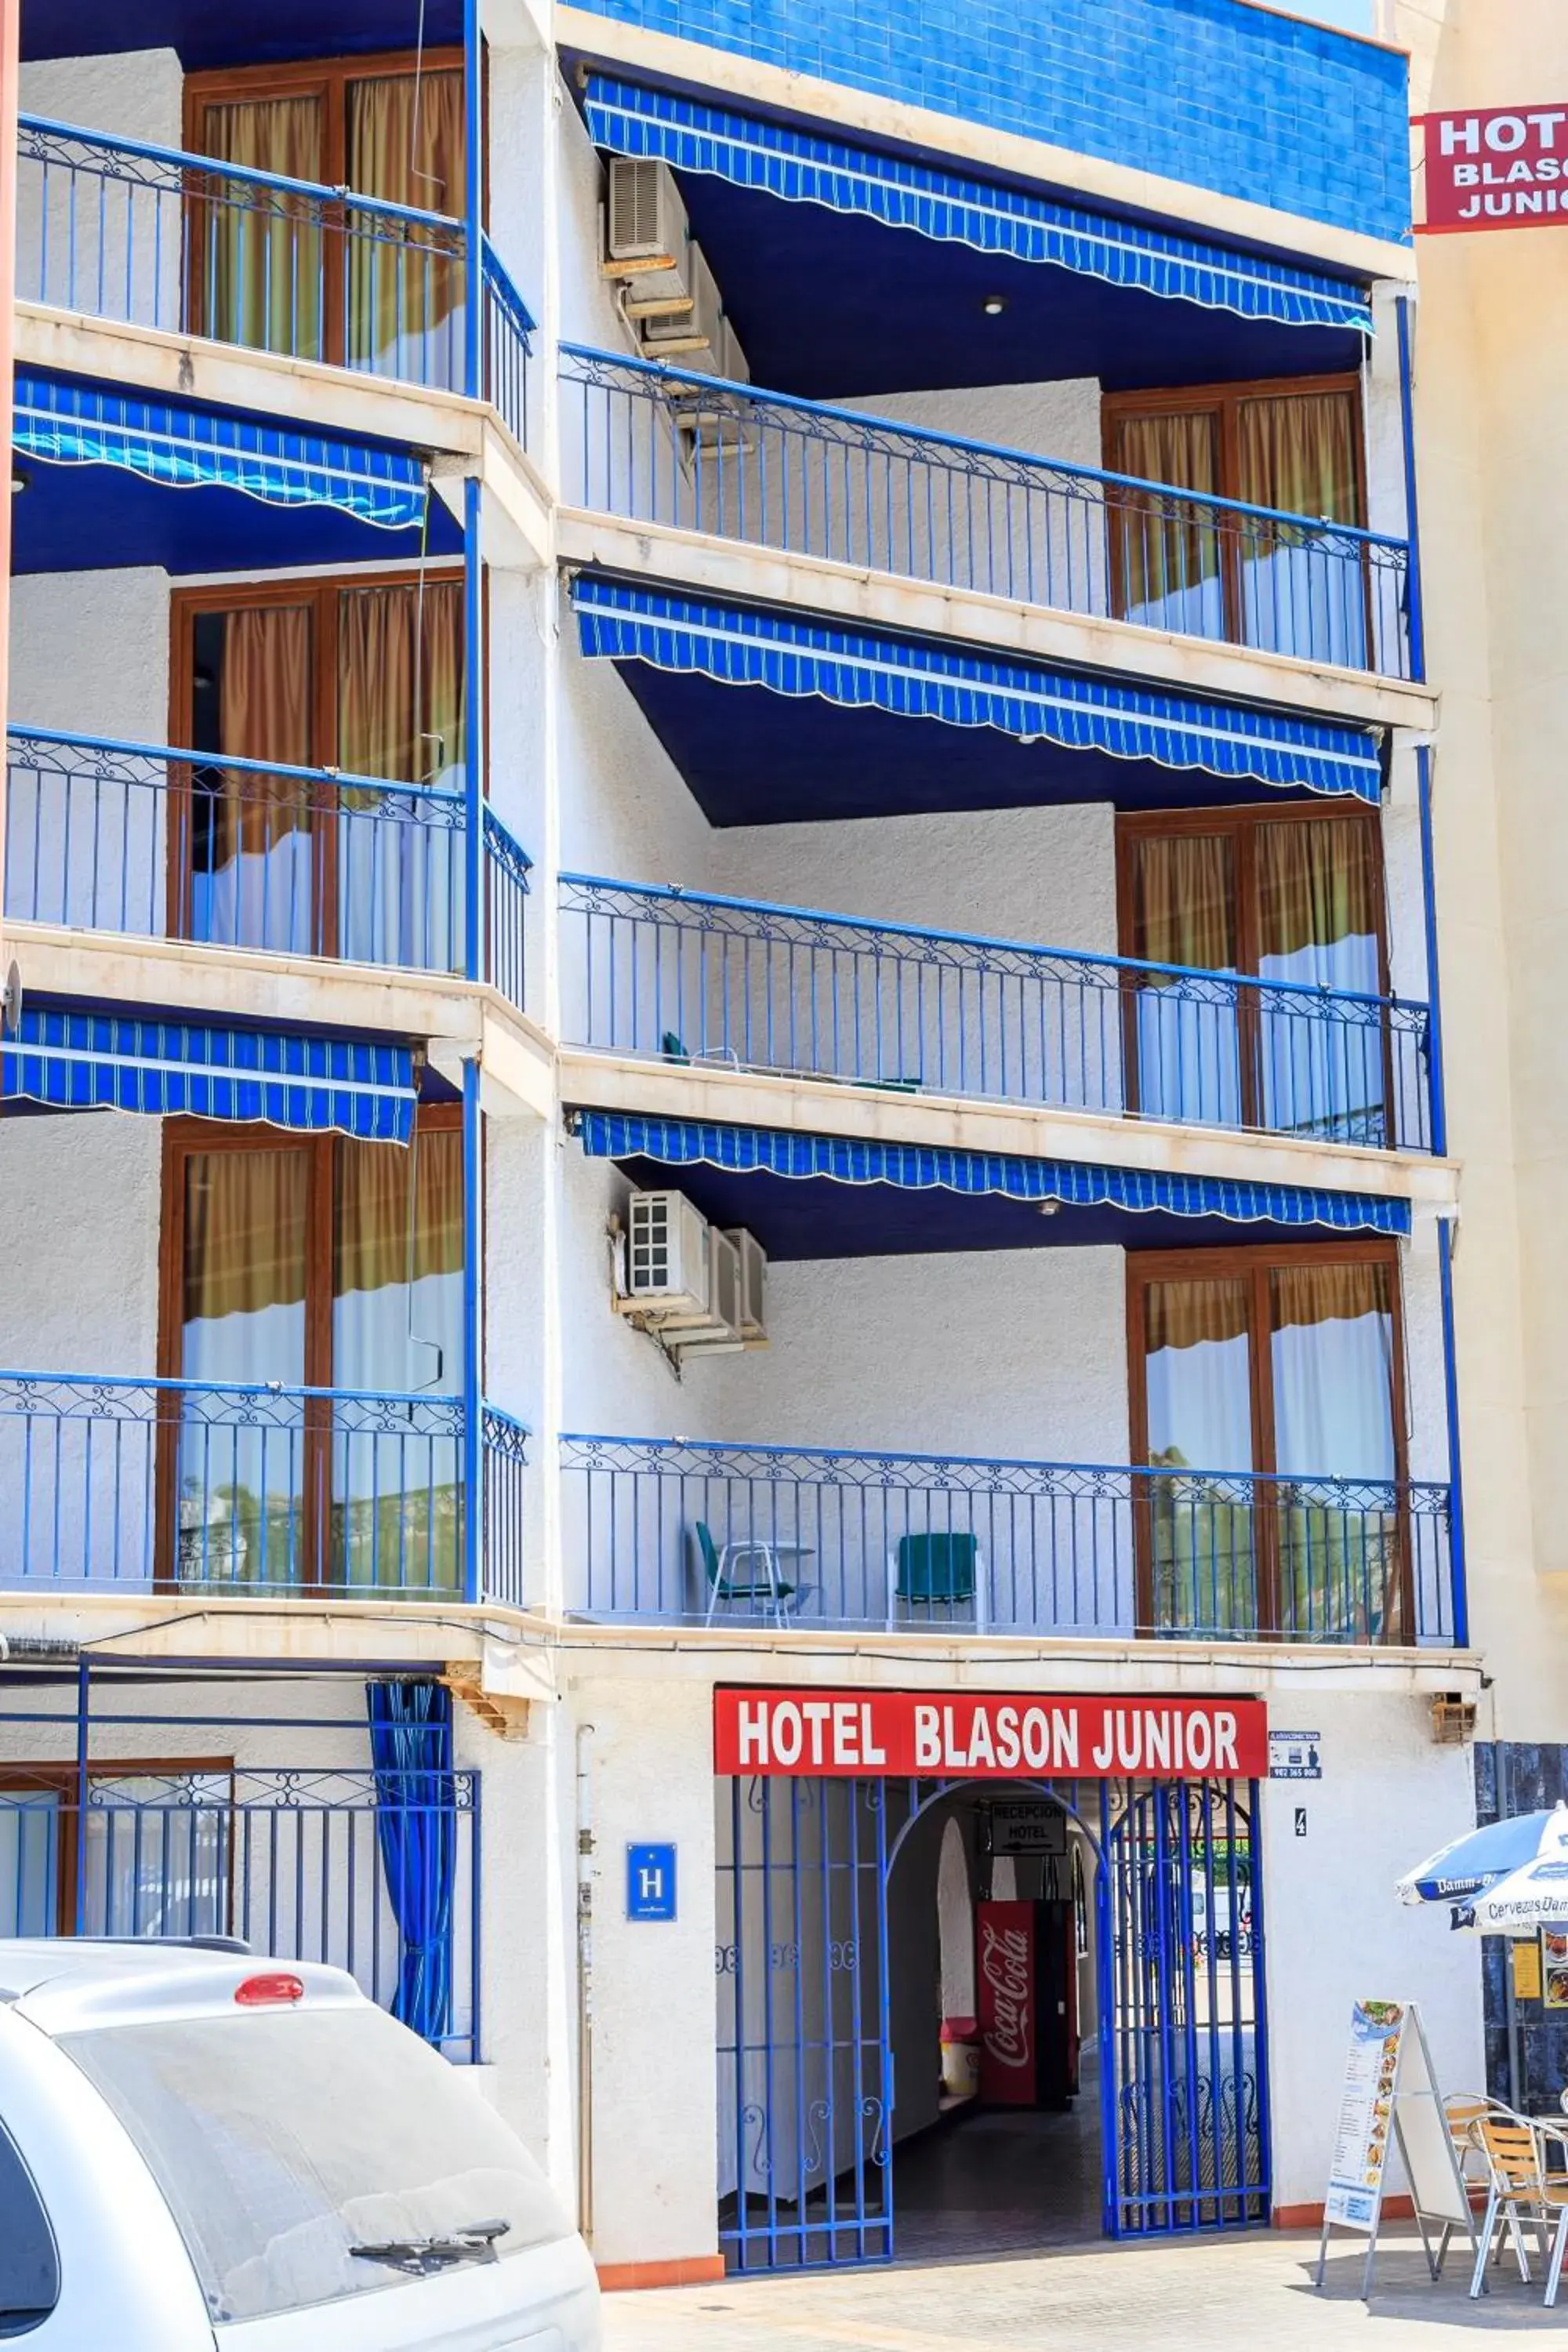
(830, 1974)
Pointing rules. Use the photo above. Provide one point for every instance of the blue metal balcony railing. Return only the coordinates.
(683, 1531)
(660, 445)
(687, 973)
(152, 236)
(138, 839)
(290, 1860)
(248, 1488)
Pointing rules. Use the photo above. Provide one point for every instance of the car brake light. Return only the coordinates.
(264, 1992)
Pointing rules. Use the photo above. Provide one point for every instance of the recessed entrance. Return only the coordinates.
(1094, 1953)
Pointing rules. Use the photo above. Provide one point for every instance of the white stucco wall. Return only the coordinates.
(84, 1195)
(1334, 1933)
(122, 616)
(113, 241)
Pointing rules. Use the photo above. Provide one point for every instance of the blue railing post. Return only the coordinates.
(1412, 513)
(83, 1734)
(1451, 1406)
(473, 199)
(1430, 924)
(473, 1333)
(474, 663)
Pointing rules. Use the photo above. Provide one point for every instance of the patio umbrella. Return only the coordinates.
(1527, 1899)
(1480, 1860)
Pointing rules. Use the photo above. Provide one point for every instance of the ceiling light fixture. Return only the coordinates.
(994, 304)
(19, 480)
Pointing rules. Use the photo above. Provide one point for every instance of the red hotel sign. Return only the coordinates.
(860, 1734)
(1505, 168)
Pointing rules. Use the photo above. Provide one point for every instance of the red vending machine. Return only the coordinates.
(1025, 1976)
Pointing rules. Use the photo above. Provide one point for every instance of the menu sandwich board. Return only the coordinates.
(1389, 2098)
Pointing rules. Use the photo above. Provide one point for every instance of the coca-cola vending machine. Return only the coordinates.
(1026, 1981)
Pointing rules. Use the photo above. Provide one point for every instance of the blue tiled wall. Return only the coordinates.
(1211, 91)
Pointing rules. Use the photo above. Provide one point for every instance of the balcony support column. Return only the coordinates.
(1440, 1103)
(473, 1332)
(1451, 1405)
(1412, 509)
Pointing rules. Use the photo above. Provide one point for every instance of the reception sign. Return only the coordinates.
(859, 1734)
(1505, 167)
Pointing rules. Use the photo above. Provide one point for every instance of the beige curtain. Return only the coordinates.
(263, 713)
(260, 249)
(1297, 455)
(243, 1234)
(400, 681)
(399, 1213)
(1317, 886)
(1332, 1353)
(406, 145)
(1183, 900)
(1187, 1314)
(1165, 561)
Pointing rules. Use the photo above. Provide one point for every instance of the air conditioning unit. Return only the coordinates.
(753, 1259)
(645, 219)
(667, 1258)
(719, 1333)
(695, 336)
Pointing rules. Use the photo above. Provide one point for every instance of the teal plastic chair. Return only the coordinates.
(750, 1570)
(933, 1572)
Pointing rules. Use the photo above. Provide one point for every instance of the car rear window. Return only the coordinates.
(29, 2267)
(282, 2139)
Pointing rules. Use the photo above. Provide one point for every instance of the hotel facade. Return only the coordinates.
(778, 1079)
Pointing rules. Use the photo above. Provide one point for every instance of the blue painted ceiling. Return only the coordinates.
(235, 32)
(818, 1217)
(753, 757)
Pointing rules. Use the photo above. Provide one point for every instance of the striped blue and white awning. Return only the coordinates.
(915, 678)
(753, 1150)
(816, 166)
(185, 448)
(99, 1061)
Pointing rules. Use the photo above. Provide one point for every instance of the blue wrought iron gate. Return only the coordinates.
(1184, 2033)
(806, 2065)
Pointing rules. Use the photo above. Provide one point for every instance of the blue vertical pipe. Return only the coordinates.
(474, 198)
(1433, 990)
(1411, 510)
(474, 666)
(83, 1723)
(1451, 1404)
(473, 1331)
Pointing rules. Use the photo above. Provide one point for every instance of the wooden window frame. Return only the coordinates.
(1223, 401)
(1241, 824)
(184, 1140)
(322, 594)
(64, 1782)
(328, 78)
(1252, 1264)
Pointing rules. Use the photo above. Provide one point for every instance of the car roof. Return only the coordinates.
(70, 1984)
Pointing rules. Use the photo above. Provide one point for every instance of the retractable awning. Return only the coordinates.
(180, 446)
(101, 1061)
(814, 166)
(751, 1151)
(919, 679)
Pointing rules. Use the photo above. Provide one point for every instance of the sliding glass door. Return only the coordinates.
(1268, 1401)
(367, 679)
(310, 1265)
(1293, 900)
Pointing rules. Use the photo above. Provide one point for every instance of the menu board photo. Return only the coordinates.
(1366, 2114)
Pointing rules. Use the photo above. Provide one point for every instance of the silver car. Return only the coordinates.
(199, 2149)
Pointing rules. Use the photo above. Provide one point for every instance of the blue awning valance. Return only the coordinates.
(915, 678)
(101, 1061)
(814, 166)
(185, 448)
(747, 1151)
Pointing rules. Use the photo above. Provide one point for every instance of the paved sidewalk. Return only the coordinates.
(1195, 2295)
